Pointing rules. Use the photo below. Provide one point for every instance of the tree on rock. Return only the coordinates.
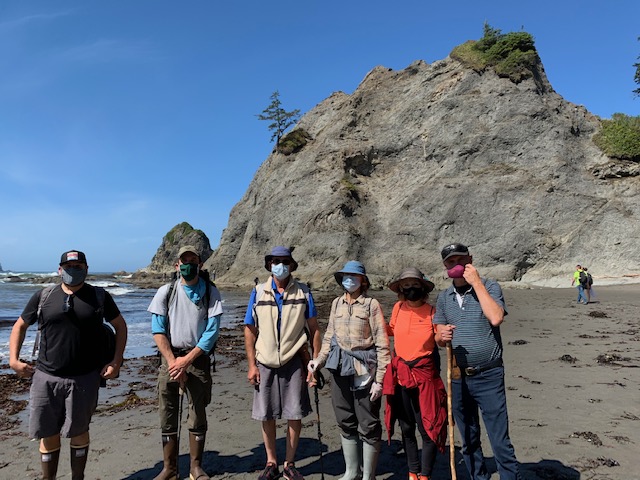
(280, 119)
(637, 76)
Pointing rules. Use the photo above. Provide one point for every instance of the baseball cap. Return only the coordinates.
(454, 249)
(73, 256)
(188, 248)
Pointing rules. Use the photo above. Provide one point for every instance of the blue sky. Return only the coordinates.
(121, 119)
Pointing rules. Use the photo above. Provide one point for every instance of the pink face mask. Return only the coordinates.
(456, 272)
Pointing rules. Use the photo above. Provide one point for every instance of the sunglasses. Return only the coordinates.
(284, 261)
(68, 304)
(458, 249)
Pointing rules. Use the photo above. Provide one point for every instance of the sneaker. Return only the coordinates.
(270, 472)
(290, 472)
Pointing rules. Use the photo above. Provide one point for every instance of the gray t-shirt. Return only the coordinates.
(187, 320)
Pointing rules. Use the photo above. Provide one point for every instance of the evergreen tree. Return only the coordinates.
(280, 119)
(637, 75)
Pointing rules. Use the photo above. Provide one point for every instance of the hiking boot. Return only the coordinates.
(290, 472)
(270, 472)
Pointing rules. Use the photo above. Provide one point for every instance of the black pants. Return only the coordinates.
(355, 413)
(409, 417)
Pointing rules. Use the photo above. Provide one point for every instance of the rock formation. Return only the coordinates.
(163, 261)
(435, 153)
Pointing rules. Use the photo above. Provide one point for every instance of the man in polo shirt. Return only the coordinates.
(469, 314)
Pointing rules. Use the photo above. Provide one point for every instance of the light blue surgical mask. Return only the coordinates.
(351, 283)
(280, 271)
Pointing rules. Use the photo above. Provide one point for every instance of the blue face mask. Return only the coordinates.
(280, 271)
(351, 283)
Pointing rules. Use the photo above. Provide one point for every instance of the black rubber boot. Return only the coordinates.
(170, 453)
(49, 461)
(78, 461)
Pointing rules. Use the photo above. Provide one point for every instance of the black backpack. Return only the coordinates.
(107, 340)
(584, 278)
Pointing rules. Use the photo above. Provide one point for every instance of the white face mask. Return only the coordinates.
(280, 271)
(351, 283)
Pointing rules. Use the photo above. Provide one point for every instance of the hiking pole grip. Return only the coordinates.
(452, 448)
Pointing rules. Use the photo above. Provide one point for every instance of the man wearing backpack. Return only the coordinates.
(185, 323)
(71, 361)
(580, 280)
(278, 315)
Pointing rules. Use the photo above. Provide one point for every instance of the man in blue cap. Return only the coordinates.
(280, 320)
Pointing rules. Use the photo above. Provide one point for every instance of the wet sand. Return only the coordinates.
(573, 387)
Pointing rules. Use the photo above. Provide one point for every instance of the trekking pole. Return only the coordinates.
(452, 447)
(181, 390)
(318, 386)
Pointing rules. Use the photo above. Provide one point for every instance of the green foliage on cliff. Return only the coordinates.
(620, 137)
(293, 141)
(180, 230)
(511, 55)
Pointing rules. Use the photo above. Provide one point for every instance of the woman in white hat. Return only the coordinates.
(416, 396)
(355, 350)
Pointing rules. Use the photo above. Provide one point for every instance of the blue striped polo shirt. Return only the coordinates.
(475, 341)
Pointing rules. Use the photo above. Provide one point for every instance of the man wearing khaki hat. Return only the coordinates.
(185, 322)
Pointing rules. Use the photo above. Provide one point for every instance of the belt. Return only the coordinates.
(471, 371)
(181, 352)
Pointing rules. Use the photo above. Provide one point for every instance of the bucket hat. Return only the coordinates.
(352, 267)
(411, 272)
(280, 251)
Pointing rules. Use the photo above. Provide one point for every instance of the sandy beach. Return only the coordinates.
(573, 390)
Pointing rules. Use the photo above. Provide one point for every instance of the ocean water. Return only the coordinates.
(131, 301)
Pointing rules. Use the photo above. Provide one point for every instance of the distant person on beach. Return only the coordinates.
(579, 280)
(416, 396)
(74, 357)
(185, 322)
(355, 350)
(279, 323)
(469, 314)
(588, 285)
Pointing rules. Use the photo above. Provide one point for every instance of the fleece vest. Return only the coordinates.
(276, 348)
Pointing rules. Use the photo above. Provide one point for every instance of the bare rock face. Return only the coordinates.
(164, 260)
(418, 158)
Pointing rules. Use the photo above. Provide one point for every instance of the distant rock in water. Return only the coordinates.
(164, 260)
(418, 158)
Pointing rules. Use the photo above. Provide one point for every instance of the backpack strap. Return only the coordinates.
(44, 295)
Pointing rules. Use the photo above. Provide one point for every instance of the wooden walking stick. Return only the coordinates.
(452, 448)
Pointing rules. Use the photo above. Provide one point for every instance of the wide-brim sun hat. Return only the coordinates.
(352, 267)
(414, 273)
(279, 252)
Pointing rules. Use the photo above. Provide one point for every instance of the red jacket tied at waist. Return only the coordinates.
(432, 394)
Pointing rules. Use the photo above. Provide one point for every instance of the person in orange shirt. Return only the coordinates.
(416, 396)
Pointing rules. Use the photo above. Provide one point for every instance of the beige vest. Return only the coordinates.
(272, 351)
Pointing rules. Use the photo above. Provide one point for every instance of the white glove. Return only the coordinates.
(312, 366)
(376, 391)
